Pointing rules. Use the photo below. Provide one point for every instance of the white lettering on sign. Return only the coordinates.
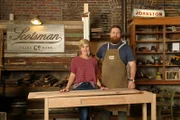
(111, 57)
(29, 38)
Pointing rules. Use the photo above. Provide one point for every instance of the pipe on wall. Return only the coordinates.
(0, 8)
(124, 16)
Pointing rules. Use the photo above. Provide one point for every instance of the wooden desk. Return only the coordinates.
(55, 99)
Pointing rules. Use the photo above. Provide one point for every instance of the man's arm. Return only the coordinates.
(132, 65)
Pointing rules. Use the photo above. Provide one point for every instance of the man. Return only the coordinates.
(115, 56)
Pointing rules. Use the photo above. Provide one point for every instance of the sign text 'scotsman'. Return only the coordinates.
(26, 38)
(22, 35)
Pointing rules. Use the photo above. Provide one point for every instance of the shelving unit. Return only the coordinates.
(151, 40)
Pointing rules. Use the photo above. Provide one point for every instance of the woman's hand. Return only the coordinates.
(64, 90)
(70, 82)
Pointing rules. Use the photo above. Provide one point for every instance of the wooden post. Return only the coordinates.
(1, 51)
(86, 9)
(153, 108)
(86, 22)
(144, 111)
(46, 109)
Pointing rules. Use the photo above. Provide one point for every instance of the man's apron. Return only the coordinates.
(114, 74)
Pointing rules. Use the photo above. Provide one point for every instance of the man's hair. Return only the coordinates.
(116, 26)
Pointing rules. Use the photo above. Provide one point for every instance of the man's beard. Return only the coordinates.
(115, 40)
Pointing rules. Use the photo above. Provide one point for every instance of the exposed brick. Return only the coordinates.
(72, 9)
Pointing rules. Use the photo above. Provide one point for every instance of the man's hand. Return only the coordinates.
(103, 88)
(131, 85)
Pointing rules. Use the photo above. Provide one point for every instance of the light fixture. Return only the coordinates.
(36, 21)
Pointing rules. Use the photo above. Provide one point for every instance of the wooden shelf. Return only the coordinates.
(149, 41)
(149, 53)
(172, 40)
(172, 52)
(148, 32)
(149, 65)
(52, 67)
(174, 32)
(157, 82)
(22, 90)
(156, 32)
(172, 65)
(176, 95)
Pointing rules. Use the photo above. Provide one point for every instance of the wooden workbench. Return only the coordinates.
(55, 99)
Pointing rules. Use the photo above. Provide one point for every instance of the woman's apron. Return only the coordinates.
(114, 74)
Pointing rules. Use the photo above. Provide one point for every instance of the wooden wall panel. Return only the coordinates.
(46, 61)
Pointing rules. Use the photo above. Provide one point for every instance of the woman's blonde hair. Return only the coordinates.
(82, 42)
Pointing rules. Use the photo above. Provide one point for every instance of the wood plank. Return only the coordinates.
(144, 111)
(44, 67)
(3, 28)
(157, 21)
(46, 108)
(153, 108)
(71, 47)
(5, 22)
(39, 59)
(71, 42)
(73, 39)
(66, 54)
(1, 48)
(65, 22)
(73, 27)
(43, 62)
(118, 91)
(100, 100)
(68, 24)
(73, 30)
(74, 35)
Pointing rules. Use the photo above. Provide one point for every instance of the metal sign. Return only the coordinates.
(30, 38)
(148, 13)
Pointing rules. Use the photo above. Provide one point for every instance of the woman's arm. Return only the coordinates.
(98, 83)
(70, 82)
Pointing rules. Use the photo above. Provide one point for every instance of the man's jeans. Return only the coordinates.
(84, 111)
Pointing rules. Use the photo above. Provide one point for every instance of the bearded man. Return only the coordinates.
(115, 57)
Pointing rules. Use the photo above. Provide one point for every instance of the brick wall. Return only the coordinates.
(104, 13)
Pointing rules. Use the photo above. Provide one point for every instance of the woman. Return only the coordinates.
(84, 74)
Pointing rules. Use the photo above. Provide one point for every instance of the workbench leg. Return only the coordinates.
(153, 108)
(46, 109)
(144, 111)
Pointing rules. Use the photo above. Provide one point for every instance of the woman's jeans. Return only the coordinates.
(84, 111)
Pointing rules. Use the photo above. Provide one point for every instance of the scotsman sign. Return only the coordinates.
(29, 38)
(148, 13)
